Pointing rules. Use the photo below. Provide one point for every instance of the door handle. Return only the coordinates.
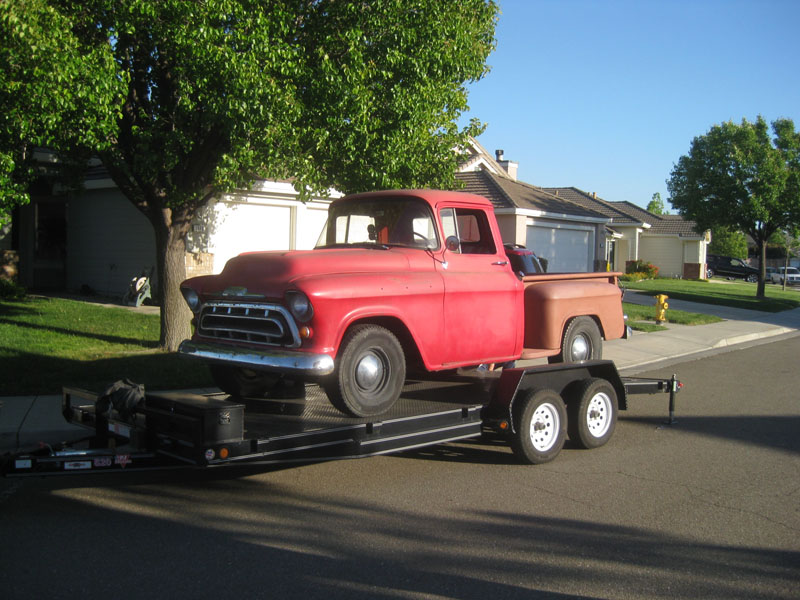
(500, 263)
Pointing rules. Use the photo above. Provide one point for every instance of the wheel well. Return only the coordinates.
(594, 318)
(403, 335)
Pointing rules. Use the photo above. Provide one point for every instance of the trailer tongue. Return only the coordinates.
(534, 408)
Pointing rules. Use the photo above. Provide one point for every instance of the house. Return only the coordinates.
(572, 238)
(668, 241)
(97, 241)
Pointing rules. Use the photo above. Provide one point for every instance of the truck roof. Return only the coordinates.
(433, 197)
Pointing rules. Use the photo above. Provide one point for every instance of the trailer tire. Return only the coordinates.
(540, 426)
(592, 412)
(581, 341)
(370, 372)
(241, 382)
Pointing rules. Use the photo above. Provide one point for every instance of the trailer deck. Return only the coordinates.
(168, 430)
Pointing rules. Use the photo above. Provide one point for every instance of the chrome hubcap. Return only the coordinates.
(580, 348)
(369, 371)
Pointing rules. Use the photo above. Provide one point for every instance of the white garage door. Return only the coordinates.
(249, 227)
(566, 250)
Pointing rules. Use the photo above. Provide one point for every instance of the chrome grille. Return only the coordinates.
(268, 324)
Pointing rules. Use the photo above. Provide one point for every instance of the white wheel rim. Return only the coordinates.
(545, 425)
(598, 414)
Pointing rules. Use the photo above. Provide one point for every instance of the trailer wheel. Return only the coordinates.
(370, 372)
(244, 383)
(540, 427)
(592, 412)
(581, 341)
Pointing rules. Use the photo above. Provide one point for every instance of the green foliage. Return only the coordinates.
(728, 242)
(738, 176)
(639, 269)
(184, 100)
(656, 205)
(56, 91)
(10, 290)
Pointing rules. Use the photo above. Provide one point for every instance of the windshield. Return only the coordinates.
(791, 271)
(379, 222)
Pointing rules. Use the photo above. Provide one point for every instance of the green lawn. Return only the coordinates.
(47, 343)
(737, 294)
(642, 318)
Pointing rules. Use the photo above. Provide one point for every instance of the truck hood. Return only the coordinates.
(270, 273)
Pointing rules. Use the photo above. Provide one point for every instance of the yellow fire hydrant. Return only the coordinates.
(661, 308)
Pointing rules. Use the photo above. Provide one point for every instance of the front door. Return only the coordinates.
(482, 303)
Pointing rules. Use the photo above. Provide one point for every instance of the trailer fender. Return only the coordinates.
(518, 382)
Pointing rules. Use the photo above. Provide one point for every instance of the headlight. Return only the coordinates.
(299, 305)
(192, 299)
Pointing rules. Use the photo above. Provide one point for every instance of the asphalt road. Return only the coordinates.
(706, 508)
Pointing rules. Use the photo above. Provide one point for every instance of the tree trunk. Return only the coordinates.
(170, 233)
(762, 269)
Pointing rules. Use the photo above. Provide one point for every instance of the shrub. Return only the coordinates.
(11, 291)
(639, 267)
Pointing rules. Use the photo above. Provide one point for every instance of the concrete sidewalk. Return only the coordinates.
(25, 422)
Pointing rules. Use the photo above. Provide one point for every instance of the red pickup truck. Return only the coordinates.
(400, 281)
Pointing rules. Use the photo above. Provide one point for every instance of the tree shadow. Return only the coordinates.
(29, 373)
(768, 431)
(221, 538)
(111, 339)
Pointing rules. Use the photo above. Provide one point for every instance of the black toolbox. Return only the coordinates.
(193, 420)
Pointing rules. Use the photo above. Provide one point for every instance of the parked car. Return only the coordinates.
(768, 276)
(791, 274)
(524, 261)
(732, 268)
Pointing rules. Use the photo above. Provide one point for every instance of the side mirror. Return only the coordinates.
(452, 243)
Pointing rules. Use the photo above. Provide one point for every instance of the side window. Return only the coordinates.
(448, 216)
(474, 232)
(471, 227)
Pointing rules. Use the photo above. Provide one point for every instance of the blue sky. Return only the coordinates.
(606, 95)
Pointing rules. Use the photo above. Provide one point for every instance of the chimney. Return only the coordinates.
(594, 195)
(509, 166)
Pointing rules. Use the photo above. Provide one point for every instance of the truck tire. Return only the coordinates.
(540, 426)
(244, 383)
(591, 412)
(369, 374)
(581, 341)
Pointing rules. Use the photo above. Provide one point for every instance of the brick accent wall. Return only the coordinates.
(693, 271)
(199, 263)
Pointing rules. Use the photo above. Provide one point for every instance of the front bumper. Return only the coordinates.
(278, 360)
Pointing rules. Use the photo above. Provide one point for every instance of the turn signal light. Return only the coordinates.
(305, 332)
(223, 453)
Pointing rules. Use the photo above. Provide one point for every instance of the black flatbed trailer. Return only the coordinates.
(170, 430)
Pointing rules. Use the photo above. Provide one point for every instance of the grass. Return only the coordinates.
(721, 292)
(48, 343)
(639, 317)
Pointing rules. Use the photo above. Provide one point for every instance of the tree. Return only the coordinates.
(656, 205)
(737, 176)
(54, 92)
(728, 242)
(332, 93)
